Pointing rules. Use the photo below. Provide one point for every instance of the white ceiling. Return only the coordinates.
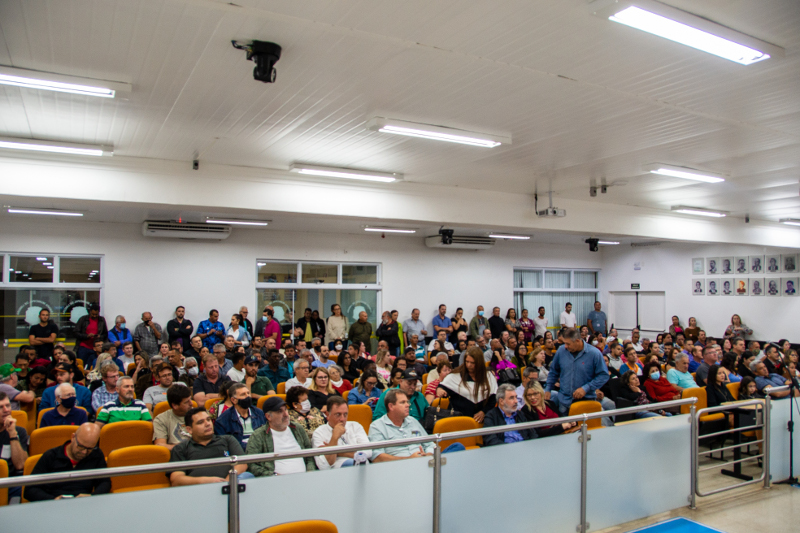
(583, 98)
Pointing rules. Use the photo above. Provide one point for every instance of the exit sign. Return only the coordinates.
(635, 286)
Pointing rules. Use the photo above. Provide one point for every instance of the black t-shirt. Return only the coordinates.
(5, 444)
(44, 351)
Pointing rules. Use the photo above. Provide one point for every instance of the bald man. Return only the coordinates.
(79, 453)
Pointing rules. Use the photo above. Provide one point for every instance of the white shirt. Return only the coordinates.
(354, 434)
(637, 346)
(540, 326)
(568, 320)
(236, 375)
(285, 442)
(447, 345)
(294, 382)
(157, 394)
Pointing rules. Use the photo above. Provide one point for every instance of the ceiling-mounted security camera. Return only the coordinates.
(592, 244)
(264, 55)
(447, 235)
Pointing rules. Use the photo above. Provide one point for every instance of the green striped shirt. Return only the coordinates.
(116, 411)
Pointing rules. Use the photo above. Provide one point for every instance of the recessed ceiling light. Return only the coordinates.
(510, 237)
(608, 243)
(690, 30)
(25, 211)
(436, 133)
(391, 230)
(682, 172)
(237, 222)
(46, 81)
(35, 145)
(687, 210)
(790, 221)
(345, 173)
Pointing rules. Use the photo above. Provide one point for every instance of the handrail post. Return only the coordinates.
(694, 461)
(583, 526)
(437, 484)
(233, 500)
(767, 423)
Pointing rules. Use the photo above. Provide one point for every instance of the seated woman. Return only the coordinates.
(223, 403)
(743, 366)
(716, 391)
(520, 358)
(367, 392)
(397, 377)
(748, 390)
(142, 368)
(630, 391)
(472, 389)
(443, 369)
(93, 378)
(301, 412)
(349, 370)
(340, 384)
(657, 386)
(321, 388)
(728, 366)
(440, 358)
(537, 408)
(36, 380)
(538, 366)
(790, 369)
(500, 362)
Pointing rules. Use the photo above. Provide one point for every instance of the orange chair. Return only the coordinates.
(361, 414)
(131, 366)
(457, 423)
(260, 402)
(123, 434)
(29, 408)
(424, 379)
(734, 389)
(444, 403)
(22, 419)
(334, 358)
(210, 402)
(43, 439)
(134, 456)
(161, 407)
(303, 526)
(43, 411)
(30, 464)
(3, 492)
(281, 388)
(587, 407)
(702, 403)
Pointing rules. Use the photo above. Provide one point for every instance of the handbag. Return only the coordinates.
(434, 414)
(510, 376)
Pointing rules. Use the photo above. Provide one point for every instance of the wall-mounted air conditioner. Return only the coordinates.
(177, 230)
(460, 242)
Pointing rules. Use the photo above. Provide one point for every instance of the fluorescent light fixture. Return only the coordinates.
(690, 30)
(35, 145)
(682, 172)
(47, 263)
(346, 173)
(237, 222)
(51, 267)
(261, 264)
(391, 230)
(41, 259)
(45, 81)
(25, 211)
(687, 210)
(437, 133)
(510, 237)
(790, 221)
(608, 243)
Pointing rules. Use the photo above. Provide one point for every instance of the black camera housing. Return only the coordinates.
(264, 54)
(447, 236)
(593, 244)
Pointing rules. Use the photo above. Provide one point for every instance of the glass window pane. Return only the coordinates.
(320, 273)
(79, 270)
(527, 279)
(585, 280)
(283, 302)
(556, 279)
(33, 269)
(360, 274)
(276, 272)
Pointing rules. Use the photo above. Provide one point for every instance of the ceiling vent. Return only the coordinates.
(646, 243)
(176, 230)
(460, 242)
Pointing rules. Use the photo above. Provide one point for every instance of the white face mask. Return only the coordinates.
(193, 371)
(338, 347)
(305, 406)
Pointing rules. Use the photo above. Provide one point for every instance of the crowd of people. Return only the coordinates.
(500, 371)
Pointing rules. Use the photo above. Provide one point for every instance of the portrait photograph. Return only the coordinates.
(698, 265)
(757, 286)
(726, 265)
(698, 288)
(713, 288)
(789, 262)
(756, 264)
(712, 265)
(727, 287)
(789, 286)
(741, 287)
(773, 264)
(773, 286)
(741, 265)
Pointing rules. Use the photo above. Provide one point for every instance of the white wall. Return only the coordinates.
(668, 268)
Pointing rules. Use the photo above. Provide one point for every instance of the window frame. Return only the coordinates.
(571, 271)
(333, 286)
(55, 284)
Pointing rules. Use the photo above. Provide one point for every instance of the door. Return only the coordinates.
(631, 309)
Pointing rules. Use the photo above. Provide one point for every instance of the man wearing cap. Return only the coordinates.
(279, 435)
(8, 384)
(89, 328)
(241, 421)
(65, 413)
(257, 385)
(64, 374)
(126, 408)
(340, 432)
(417, 402)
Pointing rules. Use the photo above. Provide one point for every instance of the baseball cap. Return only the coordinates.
(7, 369)
(273, 403)
(250, 359)
(66, 367)
(410, 374)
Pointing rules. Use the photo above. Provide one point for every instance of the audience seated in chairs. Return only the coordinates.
(366, 391)
(169, 428)
(207, 385)
(717, 392)
(506, 414)
(158, 393)
(126, 408)
(338, 431)
(14, 442)
(301, 412)
(537, 408)
(407, 384)
(630, 392)
(64, 373)
(765, 381)
(65, 413)
(279, 435)
(107, 391)
(471, 390)
(321, 389)
(243, 419)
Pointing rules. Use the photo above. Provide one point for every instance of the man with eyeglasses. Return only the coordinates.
(79, 453)
(302, 368)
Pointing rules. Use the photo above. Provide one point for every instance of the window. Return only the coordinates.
(552, 289)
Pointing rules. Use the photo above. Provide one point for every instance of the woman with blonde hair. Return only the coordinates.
(537, 408)
(383, 362)
(321, 388)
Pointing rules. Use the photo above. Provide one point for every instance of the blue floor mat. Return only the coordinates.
(677, 525)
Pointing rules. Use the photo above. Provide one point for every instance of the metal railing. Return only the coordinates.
(233, 487)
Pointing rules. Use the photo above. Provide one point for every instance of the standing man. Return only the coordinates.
(246, 323)
(120, 335)
(271, 328)
(597, 320)
(211, 331)
(478, 324)
(442, 322)
(568, 319)
(42, 336)
(414, 326)
(147, 335)
(496, 323)
(360, 331)
(540, 324)
(180, 328)
(89, 328)
(580, 370)
(206, 385)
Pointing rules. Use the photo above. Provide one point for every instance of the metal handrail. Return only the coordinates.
(43, 479)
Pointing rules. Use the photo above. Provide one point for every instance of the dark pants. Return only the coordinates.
(88, 356)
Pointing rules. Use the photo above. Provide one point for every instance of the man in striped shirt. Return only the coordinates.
(126, 408)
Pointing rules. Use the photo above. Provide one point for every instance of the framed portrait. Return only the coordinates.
(726, 265)
(773, 286)
(727, 286)
(789, 263)
(713, 288)
(772, 264)
(741, 287)
(789, 286)
(698, 287)
(698, 266)
(757, 286)
(712, 265)
(756, 264)
(741, 265)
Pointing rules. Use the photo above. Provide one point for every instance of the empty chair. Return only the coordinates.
(22, 419)
(139, 455)
(123, 434)
(281, 388)
(734, 389)
(457, 423)
(361, 414)
(303, 526)
(43, 439)
(587, 407)
(3, 475)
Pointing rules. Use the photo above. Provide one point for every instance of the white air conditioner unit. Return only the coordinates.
(460, 242)
(176, 230)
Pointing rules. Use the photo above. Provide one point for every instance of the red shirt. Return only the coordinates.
(91, 329)
(68, 457)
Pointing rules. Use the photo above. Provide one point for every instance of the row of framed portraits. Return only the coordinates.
(751, 264)
(745, 286)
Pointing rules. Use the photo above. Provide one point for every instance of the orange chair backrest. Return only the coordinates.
(587, 407)
(444, 403)
(303, 526)
(346, 394)
(694, 392)
(424, 379)
(30, 464)
(734, 389)
(123, 434)
(456, 423)
(3, 492)
(43, 439)
(131, 366)
(361, 414)
(22, 419)
(43, 411)
(161, 407)
(29, 408)
(334, 358)
(281, 388)
(210, 402)
(260, 402)
(138, 455)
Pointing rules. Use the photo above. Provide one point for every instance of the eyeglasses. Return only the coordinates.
(85, 448)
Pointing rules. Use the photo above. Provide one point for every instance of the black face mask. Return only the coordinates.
(245, 403)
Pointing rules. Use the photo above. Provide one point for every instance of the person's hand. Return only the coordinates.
(10, 425)
(58, 497)
(424, 333)
(338, 430)
(568, 425)
(676, 397)
(546, 395)
(579, 393)
(441, 393)
(600, 395)
(324, 410)
(83, 495)
(117, 343)
(478, 417)
(249, 380)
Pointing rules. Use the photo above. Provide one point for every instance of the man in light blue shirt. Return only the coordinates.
(414, 326)
(597, 320)
(579, 368)
(680, 376)
(765, 380)
(442, 322)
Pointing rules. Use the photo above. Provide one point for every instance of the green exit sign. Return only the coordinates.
(635, 286)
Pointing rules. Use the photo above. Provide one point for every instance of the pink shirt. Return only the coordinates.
(272, 329)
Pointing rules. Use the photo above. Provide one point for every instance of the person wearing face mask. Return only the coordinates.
(120, 334)
(657, 386)
(301, 413)
(65, 413)
(478, 323)
(241, 421)
(336, 327)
